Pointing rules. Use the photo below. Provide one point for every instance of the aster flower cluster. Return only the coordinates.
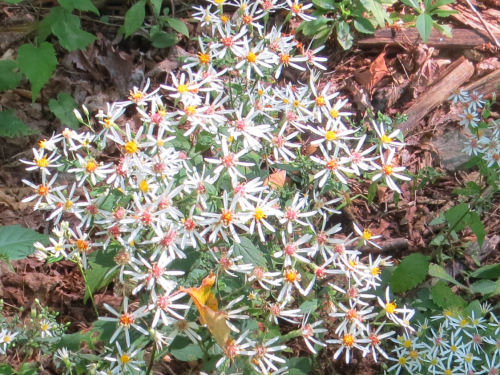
(451, 343)
(184, 189)
(483, 137)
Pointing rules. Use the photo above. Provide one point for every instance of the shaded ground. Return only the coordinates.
(387, 77)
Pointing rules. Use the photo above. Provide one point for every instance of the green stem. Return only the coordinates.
(82, 271)
(151, 361)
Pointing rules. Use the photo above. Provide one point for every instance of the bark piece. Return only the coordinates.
(456, 74)
(486, 85)
(462, 38)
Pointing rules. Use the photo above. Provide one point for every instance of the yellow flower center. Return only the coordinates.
(348, 340)
(448, 372)
(402, 360)
(387, 170)
(224, 18)
(68, 204)
(320, 101)
(43, 190)
(367, 234)
(334, 113)
(6, 339)
(413, 354)
(251, 57)
(190, 110)
(124, 358)
(107, 123)
(82, 245)
(182, 89)
(136, 96)
(375, 271)
(332, 165)
(43, 162)
(42, 143)
(91, 166)
(390, 307)
(204, 58)
(259, 214)
(131, 147)
(144, 186)
(386, 139)
(226, 217)
(291, 276)
(331, 135)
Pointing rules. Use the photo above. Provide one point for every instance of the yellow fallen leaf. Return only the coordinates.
(206, 303)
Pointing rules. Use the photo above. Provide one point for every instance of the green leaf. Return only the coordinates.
(412, 3)
(409, 273)
(156, 6)
(204, 141)
(455, 216)
(16, 241)
(344, 36)
(134, 17)
(363, 25)
(491, 271)
(372, 191)
(83, 5)
(310, 28)
(6, 370)
(28, 368)
(98, 276)
(473, 220)
(486, 287)
(69, 32)
(443, 296)
(446, 30)
(184, 350)
(440, 273)
(309, 306)
(325, 4)
(377, 9)
(471, 188)
(11, 126)
(163, 39)
(62, 108)
(424, 26)
(473, 308)
(178, 26)
(249, 252)
(12, 1)
(9, 77)
(38, 64)
(299, 365)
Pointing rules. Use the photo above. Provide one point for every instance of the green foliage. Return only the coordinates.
(409, 273)
(63, 107)
(134, 17)
(184, 350)
(341, 17)
(490, 271)
(439, 272)
(37, 64)
(444, 297)
(425, 11)
(11, 126)
(83, 5)
(100, 263)
(16, 241)
(299, 365)
(9, 76)
(68, 31)
(249, 252)
(177, 25)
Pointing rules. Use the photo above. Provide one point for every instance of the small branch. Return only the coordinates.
(486, 26)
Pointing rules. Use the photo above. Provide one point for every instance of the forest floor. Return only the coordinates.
(391, 72)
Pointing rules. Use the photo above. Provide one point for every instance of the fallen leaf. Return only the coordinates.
(206, 303)
(276, 179)
(374, 74)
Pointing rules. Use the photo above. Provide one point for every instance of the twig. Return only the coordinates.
(492, 36)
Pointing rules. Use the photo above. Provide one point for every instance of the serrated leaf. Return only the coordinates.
(424, 26)
(37, 64)
(134, 17)
(11, 126)
(9, 77)
(409, 273)
(249, 252)
(310, 28)
(163, 39)
(83, 5)
(363, 25)
(299, 365)
(69, 32)
(491, 271)
(440, 273)
(443, 296)
(485, 287)
(178, 26)
(16, 241)
(100, 263)
(473, 220)
(62, 108)
(309, 306)
(455, 216)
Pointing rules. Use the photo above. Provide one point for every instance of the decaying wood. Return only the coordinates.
(490, 17)
(462, 38)
(486, 85)
(458, 73)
